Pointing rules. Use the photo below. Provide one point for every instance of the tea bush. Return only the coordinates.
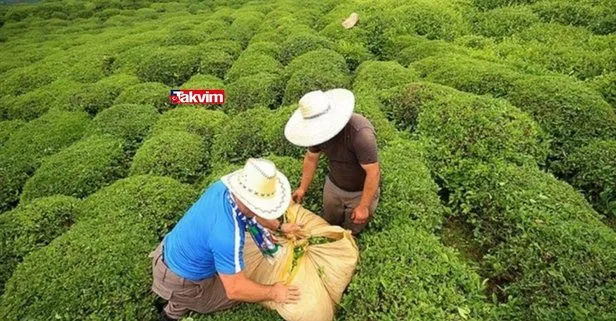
(437, 284)
(194, 120)
(319, 60)
(370, 107)
(129, 122)
(149, 93)
(408, 192)
(402, 104)
(24, 150)
(231, 47)
(185, 37)
(244, 311)
(262, 89)
(215, 62)
(106, 250)
(592, 168)
(417, 48)
(265, 47)
(252, 64)
(199, 81)
(78, 170)
(433, 19)
(29, 106)
(564, 49)
(597, 18)
(567, 110)
(30, 227)
(267, 34)
(545, 252)
(300, 43)
(606, 85)
(171, 66)
(98, 96)
(19, 81)
(468, 74)
(493, 4)
(321, 69)
(245, 25)
(377, 75)
(242, 137)
(7, 128)
(176, 154)
(503, 22)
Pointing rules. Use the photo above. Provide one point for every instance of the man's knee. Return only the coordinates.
(173, 311)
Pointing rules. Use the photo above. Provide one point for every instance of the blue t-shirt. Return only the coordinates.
(208, 239)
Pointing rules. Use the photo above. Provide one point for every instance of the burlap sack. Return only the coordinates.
(322, 271)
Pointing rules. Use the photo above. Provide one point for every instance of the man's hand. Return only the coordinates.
(298, 196)
(289, 228)
(360, 214)
(285, 294)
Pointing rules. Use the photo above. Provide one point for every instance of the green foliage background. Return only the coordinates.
(495, 119)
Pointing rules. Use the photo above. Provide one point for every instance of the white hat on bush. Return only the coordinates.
(261, 187)
(320, 116)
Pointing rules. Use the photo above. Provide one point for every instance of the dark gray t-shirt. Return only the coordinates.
(354, 145)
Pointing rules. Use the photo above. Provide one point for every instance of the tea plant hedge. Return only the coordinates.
(176, 154)
(127, 220)
(129, 122)
(31, 227)
(23, 152)
(78, 170)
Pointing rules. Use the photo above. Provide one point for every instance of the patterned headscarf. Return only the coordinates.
(262, 237)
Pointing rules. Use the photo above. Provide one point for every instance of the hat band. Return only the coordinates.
(319, 114)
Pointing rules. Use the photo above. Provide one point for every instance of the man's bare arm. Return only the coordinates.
(371, 183)
(240, 288)
(311, 160)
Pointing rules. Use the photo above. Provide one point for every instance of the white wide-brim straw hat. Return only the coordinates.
(320, 116)
(261, 187)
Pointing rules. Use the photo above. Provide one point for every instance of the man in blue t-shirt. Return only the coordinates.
(199, 264)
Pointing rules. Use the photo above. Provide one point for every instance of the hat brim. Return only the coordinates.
(268, 208)
(311, 132)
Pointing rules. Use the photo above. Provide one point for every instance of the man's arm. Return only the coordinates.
(366, 151)
(371, 183)
(311, 160)
(371, 186)
(240, 288)
(272, 225)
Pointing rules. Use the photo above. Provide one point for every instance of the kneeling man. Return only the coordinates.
(198, 265)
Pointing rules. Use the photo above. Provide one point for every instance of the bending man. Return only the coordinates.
(199, 264)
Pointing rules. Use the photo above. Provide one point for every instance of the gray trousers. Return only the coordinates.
(205, 296)
(338, 206)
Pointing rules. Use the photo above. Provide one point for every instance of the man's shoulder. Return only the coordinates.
(359, 122)
(216, 187)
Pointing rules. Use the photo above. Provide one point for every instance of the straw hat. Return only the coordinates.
(320, 116)
(261, 187)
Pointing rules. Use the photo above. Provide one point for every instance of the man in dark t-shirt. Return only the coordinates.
(325, 123)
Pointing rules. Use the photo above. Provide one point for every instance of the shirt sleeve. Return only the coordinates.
(228, 253)
(314, 149)
(364, 145)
